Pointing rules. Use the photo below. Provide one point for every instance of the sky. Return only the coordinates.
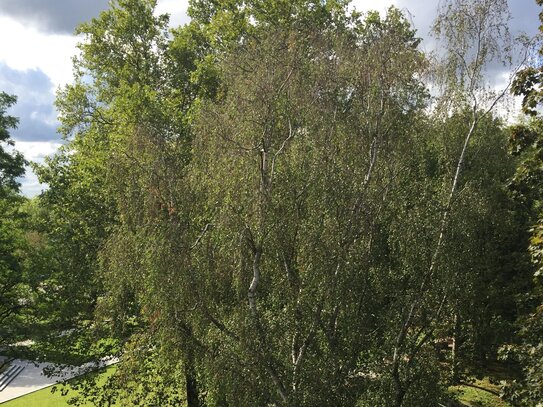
(37, 44)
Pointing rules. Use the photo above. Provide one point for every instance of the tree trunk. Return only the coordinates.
(455, 360)
(399, 396)
(193, 399)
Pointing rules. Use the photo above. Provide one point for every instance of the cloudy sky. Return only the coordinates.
(37, 45)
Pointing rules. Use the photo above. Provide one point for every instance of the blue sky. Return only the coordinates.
(37, 46)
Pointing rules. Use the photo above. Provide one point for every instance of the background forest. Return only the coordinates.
(285, 203)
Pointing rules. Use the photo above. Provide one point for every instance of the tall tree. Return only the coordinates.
(261, 202)
(308, 133)
(527, 146)
(12, 163)
(473, 35)
(125, 119)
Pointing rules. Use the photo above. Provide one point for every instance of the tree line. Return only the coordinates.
(284, 203)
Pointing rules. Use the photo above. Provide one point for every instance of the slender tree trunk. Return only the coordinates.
(399, 395)
(455, 360)
(193, 398)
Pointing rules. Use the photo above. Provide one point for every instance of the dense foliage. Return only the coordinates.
(268, 207)
(11, 239)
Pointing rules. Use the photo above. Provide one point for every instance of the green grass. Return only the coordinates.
(40, 398)
(473, 397)
(467, 395)
(45, 398)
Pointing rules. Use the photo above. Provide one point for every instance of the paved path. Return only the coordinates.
(32, 377)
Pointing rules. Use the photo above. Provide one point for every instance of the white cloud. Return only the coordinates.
(37, 150)
(34, 151)
(176, 9)
(30, 186)
(24, 47)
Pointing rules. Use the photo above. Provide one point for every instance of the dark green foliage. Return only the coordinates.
(525, 185)
(11, 163)
(11, 270)
(13, 293)
(527, 146)
(258, 208)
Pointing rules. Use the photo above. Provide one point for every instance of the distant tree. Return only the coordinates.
(11, 162)
(12, 292)
(526, 145)
(528, 80)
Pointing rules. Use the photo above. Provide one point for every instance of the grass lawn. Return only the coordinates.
(473, 397)
(45, 398)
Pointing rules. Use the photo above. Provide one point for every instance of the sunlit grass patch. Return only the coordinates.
(47, 398)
